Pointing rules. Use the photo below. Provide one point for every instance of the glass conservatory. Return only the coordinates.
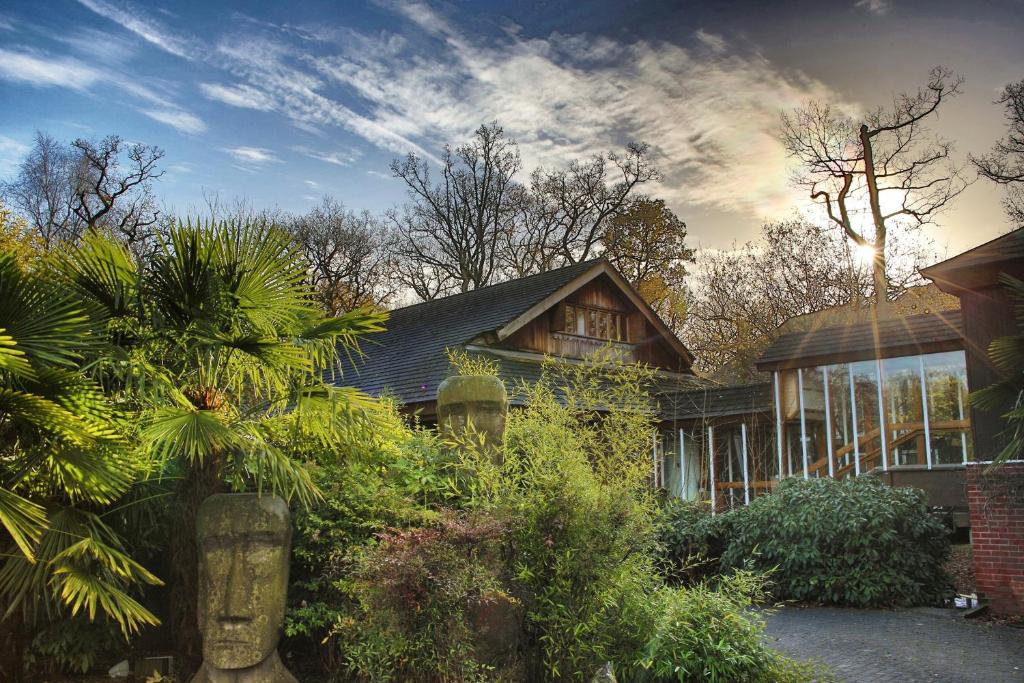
(829, 411)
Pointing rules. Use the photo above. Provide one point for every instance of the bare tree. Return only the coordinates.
(886, 169)
(43, 191)
(348, 254)
(116, 195)
(1005, 163)
(646, 241)
(738, 299)
(569, 210)
(451, 232)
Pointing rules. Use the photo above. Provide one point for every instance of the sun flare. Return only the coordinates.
(864, 254)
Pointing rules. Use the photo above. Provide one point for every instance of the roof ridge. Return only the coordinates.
(525, 278)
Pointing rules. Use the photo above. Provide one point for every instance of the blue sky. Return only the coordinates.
(283, 102)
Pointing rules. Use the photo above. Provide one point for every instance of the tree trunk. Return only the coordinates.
(878, 274)
(200, 482)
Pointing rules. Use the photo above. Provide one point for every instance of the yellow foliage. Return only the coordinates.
(16, 238)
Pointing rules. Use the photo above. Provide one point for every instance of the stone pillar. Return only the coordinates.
(477, 400)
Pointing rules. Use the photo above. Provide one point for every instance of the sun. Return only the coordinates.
(864, 254)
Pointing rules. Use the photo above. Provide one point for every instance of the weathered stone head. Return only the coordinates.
(244, 543)
(479, 400)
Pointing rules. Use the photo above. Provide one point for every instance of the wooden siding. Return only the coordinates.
(546, 334)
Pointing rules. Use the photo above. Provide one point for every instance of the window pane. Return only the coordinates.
(814, 421)
(841, 417)
(946, 378)
(903, 410)
(865, 389)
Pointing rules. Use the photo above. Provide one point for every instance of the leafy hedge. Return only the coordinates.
(855, 542)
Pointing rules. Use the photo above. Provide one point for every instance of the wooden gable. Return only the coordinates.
(585, 317)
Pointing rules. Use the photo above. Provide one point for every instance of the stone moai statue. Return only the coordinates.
(479, 400)
(244, 544)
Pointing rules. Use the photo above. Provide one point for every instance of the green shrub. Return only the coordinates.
(691, 540)
(856, 542)
(705, 633)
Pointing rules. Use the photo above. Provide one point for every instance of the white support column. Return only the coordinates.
(682, 464)
(654, 458)
(853, 411)
(924, 411)
(960, 408)
(778, 420)
(803, 421)
(828, 421)
(882, 430)
(746, 481)
(711, 464)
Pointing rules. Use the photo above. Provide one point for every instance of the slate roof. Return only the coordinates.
(717, 401)
(409, 361)
(927, 333)
(980, 266)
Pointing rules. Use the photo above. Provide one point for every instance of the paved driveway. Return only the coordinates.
(905, 646)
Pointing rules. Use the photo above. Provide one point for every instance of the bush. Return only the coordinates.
(691, 540)
(705, 633)
(421, 594)
(855, 542)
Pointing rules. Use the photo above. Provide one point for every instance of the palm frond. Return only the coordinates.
(24, 521)
(48, 325)
(187, 433)
(102, 271)
(12, 359)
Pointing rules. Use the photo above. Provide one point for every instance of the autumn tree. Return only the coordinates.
(879, 171)
(1005, 163)
(451, 231)
(647, 243)
(348, 255)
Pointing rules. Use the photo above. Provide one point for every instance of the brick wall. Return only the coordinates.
(996, 502)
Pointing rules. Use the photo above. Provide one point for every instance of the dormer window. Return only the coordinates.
(598, 323)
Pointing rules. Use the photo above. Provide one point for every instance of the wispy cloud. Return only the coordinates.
(150, 30)
(251, 155)
(877, 7)
(182, 121)
(244, 96)
(11, 153)
(338, 157)
(43, 71)
(312, 183)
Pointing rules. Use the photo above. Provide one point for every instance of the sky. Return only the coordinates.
(283, 102)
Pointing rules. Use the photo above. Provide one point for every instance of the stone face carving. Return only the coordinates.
(480, 399)
(244, 543)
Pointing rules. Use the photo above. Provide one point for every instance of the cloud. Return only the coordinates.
(312, 183)
(244, 96)
(182, 121)
(149, 30)
(41, 71)
(338, 158)
(877, 7)
(11, 154)
(709, 109)
(251, 155)
(711, 114)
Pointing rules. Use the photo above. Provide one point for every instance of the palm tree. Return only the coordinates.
(225, 358)
(62, 461)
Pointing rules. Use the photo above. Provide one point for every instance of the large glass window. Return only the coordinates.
(836, 412)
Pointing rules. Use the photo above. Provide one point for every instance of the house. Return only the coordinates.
(569, 312)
